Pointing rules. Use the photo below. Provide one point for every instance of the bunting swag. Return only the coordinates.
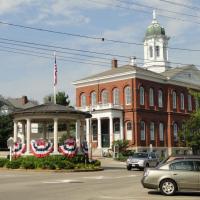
(19, 149)
(84, 148)
(41, 148)
(69, 148)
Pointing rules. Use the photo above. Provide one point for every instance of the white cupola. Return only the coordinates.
(155, 47)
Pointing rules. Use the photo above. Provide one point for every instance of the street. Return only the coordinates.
(115, 182)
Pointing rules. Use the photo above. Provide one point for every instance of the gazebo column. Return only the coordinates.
(15, 131)
(55, 134)
(28, 135)
(23, 132)
(78, 130)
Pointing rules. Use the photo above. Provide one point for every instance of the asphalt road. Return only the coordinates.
(114, 183)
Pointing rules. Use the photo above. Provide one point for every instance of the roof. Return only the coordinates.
(120, 70)
(50, 108)
(155, 30)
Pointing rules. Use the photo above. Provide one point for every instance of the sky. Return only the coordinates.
(120, 20)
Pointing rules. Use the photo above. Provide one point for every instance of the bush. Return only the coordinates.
(96, 163)
(3, 162)
(14, 164)
(28, 164)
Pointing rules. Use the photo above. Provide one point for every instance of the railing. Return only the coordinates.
(100, 107)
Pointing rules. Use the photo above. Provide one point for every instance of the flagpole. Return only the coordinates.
(55, 79)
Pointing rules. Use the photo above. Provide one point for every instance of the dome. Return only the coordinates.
(155, 29)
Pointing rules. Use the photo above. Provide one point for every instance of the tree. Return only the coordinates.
(190, 133)
(6, 130)
(61, 98)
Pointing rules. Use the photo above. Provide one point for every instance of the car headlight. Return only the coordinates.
(146, 173)
(128, 160)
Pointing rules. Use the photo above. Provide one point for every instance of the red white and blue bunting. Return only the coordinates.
(84, 148)
(69, 148)
(19, 149)
(41, 148)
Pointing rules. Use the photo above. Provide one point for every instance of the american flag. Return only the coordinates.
(55, 72)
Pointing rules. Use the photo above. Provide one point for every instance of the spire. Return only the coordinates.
(154, 17)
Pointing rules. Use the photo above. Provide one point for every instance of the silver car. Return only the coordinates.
(142, 160)
(173, 176)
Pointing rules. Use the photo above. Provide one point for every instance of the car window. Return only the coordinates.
(182, 165)
(140, 155)
(153, 155)
(197, 165)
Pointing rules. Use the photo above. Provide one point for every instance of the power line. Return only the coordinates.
(80, 50)
(160, 9)
(181, 4)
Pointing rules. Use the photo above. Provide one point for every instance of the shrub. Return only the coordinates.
(3, 162)
(96, 163)
(28, 164)
(14, 164)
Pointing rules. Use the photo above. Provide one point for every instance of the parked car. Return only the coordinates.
(142, 160)
(176, 175)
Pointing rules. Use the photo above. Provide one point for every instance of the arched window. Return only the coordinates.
(129, 130)
(161, 131)
(129, 126)
(151, 97)
(157, 50)
(104, 97)
(127, 92)
(174, 99)
(93, 98)
(151, 51)
(160, 98)
(83, 100)
(175, 128)
(182, 101)
(152, 131)
(142, 131)
(116, 96)
(141, 95)
(189, 102)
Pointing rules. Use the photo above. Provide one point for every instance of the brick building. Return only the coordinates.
(145, 105)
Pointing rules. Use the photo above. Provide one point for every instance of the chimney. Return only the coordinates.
(114, 63)
(24, 100)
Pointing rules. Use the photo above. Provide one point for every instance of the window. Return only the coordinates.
(104, 97)
(197, 165)
(116, 125)
(128, 126)
(182, 101)
(94, 130)
(93, 98)
(157, 51)
(152, 131)
(151, 51)
(175, 127)
(83, 100)
(161, 131)
(189, 102)
(160, 98)
(174, 99)
(141, 96)
(182, 165)
(142, 130)
(127, 91)
(151, 97)
(116, 96)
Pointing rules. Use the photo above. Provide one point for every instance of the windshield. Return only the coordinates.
(140, 155)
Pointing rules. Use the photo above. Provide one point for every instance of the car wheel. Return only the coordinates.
(168, 187)
(128, 167)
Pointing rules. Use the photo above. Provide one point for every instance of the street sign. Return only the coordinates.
(10, 142)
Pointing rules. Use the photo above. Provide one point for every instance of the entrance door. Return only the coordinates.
(105, 135)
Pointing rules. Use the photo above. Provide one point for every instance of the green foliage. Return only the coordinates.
(3, 162)
(96, 163)
(122, 145)
(28, 164)
(14, 164)
(6, 129)
(61, 98)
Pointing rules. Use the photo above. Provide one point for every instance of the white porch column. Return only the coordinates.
(88, 130)
(55, 135)
(111, 131)
(99, 133)
(121, 128)
(23, 132)
(15, 131)
(78, 130)
(28, 135)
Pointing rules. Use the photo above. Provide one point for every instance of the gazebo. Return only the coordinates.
(49, 114)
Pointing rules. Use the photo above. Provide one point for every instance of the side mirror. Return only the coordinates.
(150, 157)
